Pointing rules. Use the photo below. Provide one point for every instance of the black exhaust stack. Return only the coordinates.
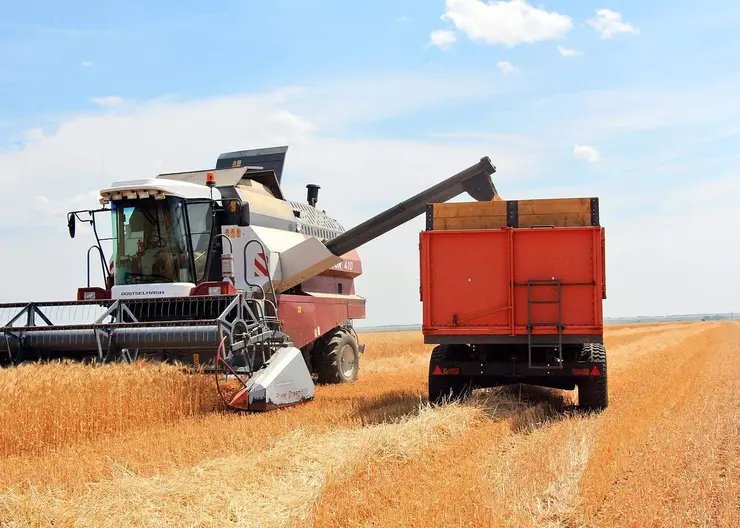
(312, 194)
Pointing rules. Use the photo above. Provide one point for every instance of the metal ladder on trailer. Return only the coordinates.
(558, 345)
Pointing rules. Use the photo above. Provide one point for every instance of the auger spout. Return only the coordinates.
(311, 257)
(475, 180)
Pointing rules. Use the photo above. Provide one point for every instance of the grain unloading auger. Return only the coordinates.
(217, 269)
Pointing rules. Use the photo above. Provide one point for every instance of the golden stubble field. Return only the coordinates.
(145, 445)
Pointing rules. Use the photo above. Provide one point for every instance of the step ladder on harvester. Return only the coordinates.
(556, 346)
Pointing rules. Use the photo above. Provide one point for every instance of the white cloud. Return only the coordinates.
(586, 152)
(34, 134)
(510, 23)
(366, 98)
(507, 67)
(402, 18)
(609, 23)
(565, 52)
(86, 64)
(442, 38)
(647, 255)
(605, 114)
(110, 100)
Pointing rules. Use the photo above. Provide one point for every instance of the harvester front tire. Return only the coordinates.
(337, 357)
(445, 388)
(593, 393)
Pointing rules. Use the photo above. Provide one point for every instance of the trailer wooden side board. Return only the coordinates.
(554, 212)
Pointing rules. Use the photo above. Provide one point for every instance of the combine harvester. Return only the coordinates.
(216, 269)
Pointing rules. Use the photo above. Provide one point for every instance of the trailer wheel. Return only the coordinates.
(446, 388)
(337, 357)
(593, 393)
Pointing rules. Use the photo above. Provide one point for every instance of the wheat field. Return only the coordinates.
(151, 445)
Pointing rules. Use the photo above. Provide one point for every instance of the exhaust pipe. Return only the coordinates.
(312, 194)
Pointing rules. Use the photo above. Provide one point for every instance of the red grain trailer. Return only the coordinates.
(512, 292)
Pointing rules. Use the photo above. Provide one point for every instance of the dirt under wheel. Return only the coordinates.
(337, 357)
(445, 388)
(593, 393)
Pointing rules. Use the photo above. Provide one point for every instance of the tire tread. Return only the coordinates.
(327, 352)
(593, 393)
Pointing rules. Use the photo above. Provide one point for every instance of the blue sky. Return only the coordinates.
(637, 105)
(145, 49)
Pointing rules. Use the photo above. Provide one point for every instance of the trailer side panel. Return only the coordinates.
(497, 282)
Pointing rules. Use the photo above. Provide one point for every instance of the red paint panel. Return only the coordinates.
(466, 279)
(298, 324)
(302, 316)
(467, 287)
(356, 311)
(351, 266)
(564, 254)
(329, 284)
(603, 263)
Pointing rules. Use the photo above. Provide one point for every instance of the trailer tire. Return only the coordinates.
(593, 393)
(443, 389)
(337, 357)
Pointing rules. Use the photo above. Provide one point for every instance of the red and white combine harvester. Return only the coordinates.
(216, 269)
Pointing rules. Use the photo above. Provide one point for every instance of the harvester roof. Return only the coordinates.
(154, 187)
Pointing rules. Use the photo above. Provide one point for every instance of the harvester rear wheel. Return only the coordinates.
(446, 388)
(593, 393)
(337, 357)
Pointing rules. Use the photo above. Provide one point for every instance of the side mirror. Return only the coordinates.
(71, 224)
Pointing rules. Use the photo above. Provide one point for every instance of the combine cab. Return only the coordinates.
(216, 269)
